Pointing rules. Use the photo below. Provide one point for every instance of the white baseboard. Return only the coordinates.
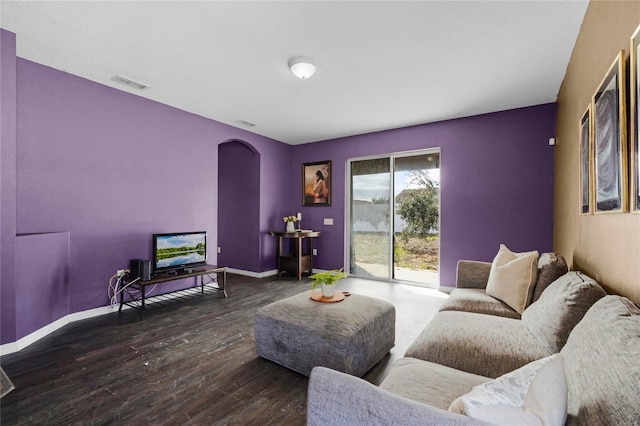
(9, 348)
(446, 289)
(252, 274)
(27, 340)
(262, 274)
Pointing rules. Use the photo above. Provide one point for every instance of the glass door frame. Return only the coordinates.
(347, 246)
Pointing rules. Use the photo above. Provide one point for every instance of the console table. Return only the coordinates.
(137, 285)
(297, 260)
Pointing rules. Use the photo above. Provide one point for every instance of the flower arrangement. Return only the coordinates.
(290, 219)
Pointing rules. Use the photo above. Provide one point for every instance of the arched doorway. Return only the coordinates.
(238, 206)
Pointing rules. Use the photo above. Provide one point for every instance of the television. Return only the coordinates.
(178, 252)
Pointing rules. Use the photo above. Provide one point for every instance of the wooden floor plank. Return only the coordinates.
(190, 362)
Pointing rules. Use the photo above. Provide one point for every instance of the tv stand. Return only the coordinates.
(138, 302)
(177, 272)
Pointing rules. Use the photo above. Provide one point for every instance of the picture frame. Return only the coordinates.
(316, 184)
(635, 121)
(586, 162)
(610, 140)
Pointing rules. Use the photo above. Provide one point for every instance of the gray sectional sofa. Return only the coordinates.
(471, 281)
(474, 339)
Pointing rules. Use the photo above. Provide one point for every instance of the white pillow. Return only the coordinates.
(512, 277)
(535, 394)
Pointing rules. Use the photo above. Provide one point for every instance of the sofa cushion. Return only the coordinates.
(512, 277)
(602, 363)
(477, 300)
(485, 345)
(551, 266)
(432, 384)
(338, 399)
(560, 307)
(531, 395)
(472, 274)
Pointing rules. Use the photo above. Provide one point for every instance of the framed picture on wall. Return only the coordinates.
(635, 122)
(316, 184)
(586, 163)
(610, 140)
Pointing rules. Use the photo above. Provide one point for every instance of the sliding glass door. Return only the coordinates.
(370, 233)
(394, 216)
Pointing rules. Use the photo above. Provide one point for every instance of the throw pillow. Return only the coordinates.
(551, 266)
(560, 307)
(512, 277)
(535, 394)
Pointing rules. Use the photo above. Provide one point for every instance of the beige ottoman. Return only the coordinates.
(349, 336)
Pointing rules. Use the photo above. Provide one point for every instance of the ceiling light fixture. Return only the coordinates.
(302, 67)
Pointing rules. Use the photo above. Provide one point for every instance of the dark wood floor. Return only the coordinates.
(192, 362)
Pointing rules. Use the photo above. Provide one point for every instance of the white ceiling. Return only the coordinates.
(381, 64)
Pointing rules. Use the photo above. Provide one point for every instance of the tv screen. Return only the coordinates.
(172, 252)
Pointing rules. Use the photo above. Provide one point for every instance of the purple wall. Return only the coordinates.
(496, 179)
(42, 278)
(239, 206)
(111, 169)
(105, 166)
(275, 196)
(7, 185)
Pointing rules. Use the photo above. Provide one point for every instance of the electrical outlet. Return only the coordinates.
(219, 249)
(120, 273)
(315, 252)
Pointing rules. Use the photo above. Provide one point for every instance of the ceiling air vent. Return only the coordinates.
(129, 82)
(246, 123)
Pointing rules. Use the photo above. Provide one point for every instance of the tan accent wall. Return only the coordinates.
(605, 246)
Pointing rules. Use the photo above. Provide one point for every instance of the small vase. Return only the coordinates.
(328, 290)
(291, 227)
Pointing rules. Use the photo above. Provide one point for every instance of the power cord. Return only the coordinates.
(116, 288)
(112, 289)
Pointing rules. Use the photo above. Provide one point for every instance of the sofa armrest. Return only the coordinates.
(472, 274)
(337, 399)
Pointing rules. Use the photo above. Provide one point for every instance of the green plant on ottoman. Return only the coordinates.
(328, 280)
